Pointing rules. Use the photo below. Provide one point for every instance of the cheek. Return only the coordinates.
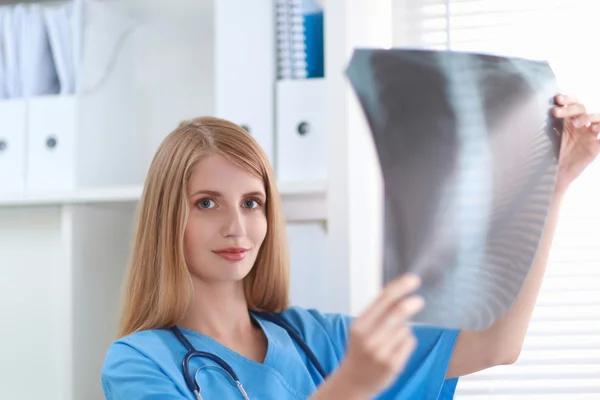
(188, 243)
(258, 229)
(195, 237)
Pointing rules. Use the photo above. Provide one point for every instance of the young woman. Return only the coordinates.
(206, 313)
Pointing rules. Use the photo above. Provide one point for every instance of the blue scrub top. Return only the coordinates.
(147, 365)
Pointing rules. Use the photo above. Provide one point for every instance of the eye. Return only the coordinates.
(206, 203)
(251, 203)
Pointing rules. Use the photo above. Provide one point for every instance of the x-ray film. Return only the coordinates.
(468, 150)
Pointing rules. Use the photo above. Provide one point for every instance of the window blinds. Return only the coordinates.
(561, 354)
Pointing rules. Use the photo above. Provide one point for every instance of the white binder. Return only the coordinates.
(245, 66)
(12, 147)
(52, 146)
(308, 259)
(88, 135)
(301, 137)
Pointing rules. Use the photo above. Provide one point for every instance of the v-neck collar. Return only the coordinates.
(272, 344)
(278, 342)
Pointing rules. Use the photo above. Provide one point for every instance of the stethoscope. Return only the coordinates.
(192, 352)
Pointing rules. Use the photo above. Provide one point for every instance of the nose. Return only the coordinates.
(234, 224)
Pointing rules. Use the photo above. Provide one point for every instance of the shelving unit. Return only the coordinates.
(63, 252)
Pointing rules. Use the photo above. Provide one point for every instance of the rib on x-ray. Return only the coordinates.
(468, 150)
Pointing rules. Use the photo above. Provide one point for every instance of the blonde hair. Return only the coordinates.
(158, 288)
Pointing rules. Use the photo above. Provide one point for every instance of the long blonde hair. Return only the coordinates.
(158, 288)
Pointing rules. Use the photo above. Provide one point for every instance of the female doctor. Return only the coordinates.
(206, 313)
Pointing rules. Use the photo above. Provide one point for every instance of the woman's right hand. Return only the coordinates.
(381, 342)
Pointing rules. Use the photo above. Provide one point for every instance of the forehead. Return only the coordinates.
(217, 173)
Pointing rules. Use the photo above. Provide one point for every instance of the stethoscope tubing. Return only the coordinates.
(192, 352)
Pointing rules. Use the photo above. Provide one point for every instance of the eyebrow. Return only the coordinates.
(214, 193)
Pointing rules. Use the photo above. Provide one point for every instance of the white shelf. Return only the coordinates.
(304, 201)
(116, 194)
(301, 200)
(302, 188)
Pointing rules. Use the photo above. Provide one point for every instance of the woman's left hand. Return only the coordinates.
(580, 145)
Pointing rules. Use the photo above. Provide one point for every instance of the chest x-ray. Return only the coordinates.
(468, 150)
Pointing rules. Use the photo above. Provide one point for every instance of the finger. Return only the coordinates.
(394, 321)
(570, 110)
(585, 120)
(595, 127)
(593, 118)
(406, 308)
(403, 350)
(389, 296)
(400, 336)
(564, 99)
(581, 121)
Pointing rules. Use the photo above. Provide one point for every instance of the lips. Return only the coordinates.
(232, 253)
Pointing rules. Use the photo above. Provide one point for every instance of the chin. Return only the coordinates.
(215, 269)
(222, 276)
(232, 270)
(233, 273)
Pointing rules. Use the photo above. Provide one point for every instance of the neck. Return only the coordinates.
(219, 311)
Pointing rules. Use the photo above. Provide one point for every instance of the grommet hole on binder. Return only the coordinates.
(3, 145)
(303, 128)
(51, 142)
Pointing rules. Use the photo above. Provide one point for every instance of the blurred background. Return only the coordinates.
(89, 88)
